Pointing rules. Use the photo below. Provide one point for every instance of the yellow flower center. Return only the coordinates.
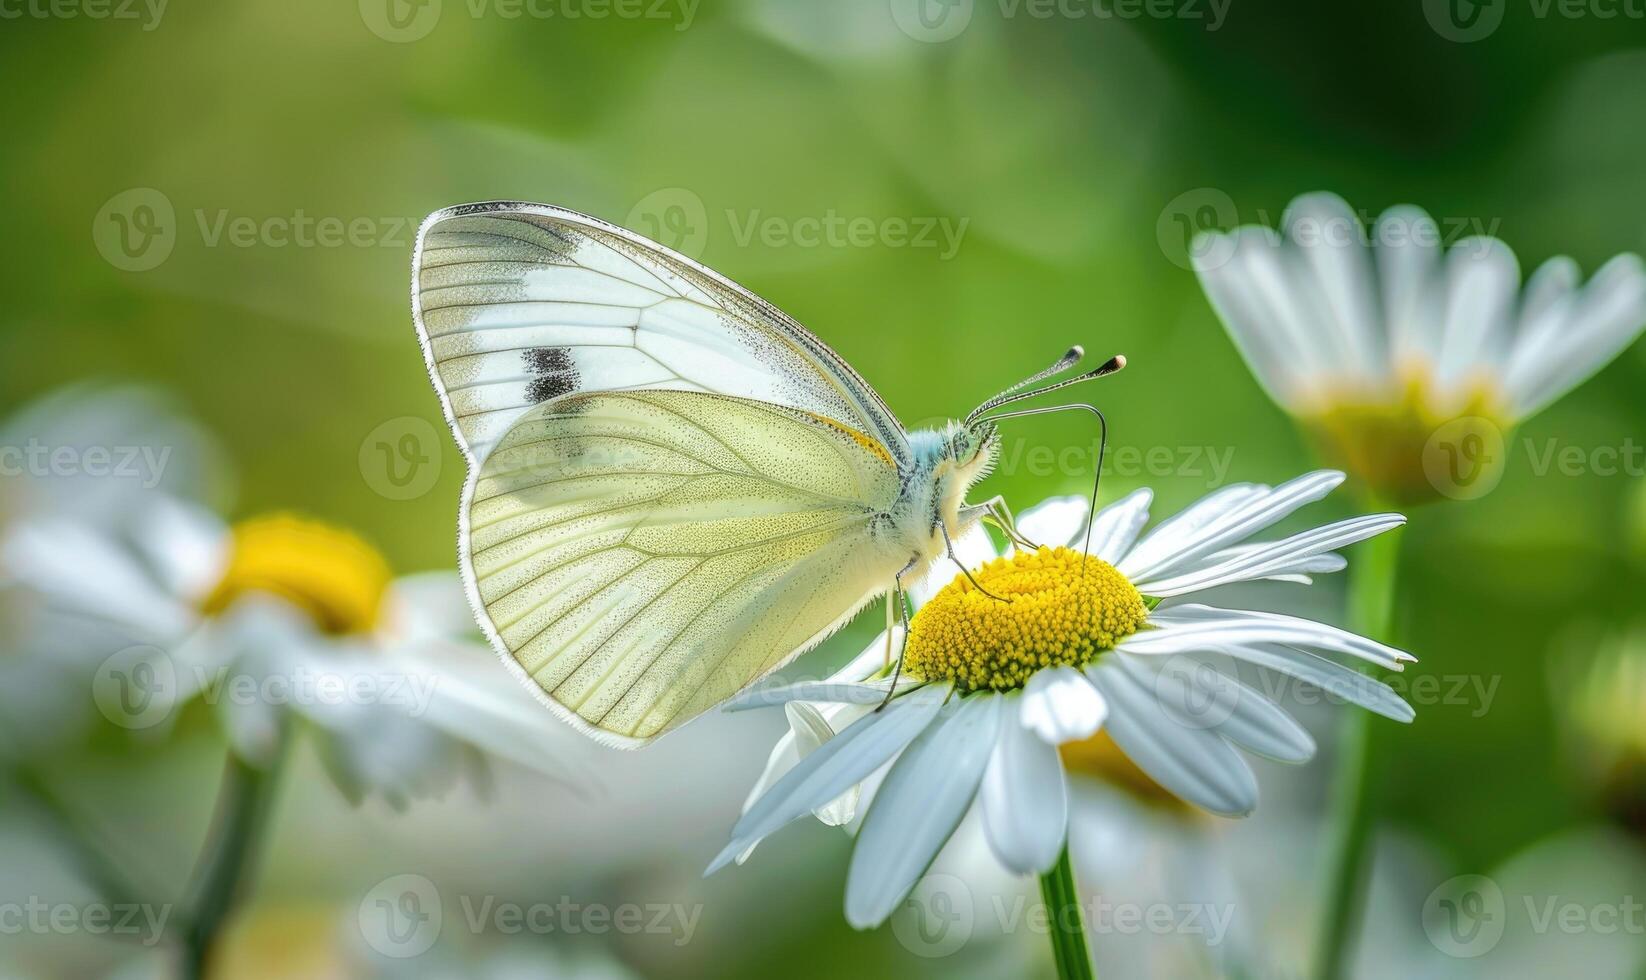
(330, 573)
(1054, 607)
(1415, 443)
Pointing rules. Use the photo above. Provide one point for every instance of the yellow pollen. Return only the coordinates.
(330, 573)
(1055, 607)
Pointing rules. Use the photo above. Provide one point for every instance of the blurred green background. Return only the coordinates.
(1056, 162)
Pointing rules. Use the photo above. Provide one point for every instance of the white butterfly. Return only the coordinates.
(674, 489)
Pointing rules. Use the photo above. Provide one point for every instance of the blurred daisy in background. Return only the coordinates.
(989, 690)
(1398, 354)
(93, 455)
(1601, 700)
(282, 618)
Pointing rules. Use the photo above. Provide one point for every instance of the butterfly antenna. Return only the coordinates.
(1069, 359)
(1011, 395)
(1102, 445)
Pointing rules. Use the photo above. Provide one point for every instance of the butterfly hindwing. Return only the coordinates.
(644, 555)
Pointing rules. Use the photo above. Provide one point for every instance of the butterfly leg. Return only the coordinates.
(894, 599)
(998, 514)
(897, 593)
(949, 542)
(1002, 516)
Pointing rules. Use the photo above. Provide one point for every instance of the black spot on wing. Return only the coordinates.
(555, 373)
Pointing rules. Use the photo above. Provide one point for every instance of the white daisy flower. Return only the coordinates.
(990, 687)
(1376, 341)
(91, 453)
(283, 617)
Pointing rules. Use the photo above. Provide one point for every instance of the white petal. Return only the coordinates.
(429, 606)
(1252, 284)
(1564, 351)
(1054, 521)
(1060, 705)
(1232, 525)
(1276, 558)
(1297, 571)
(1548, 288)
(918, 807)
(1197, 694)
(783, 757)
(868, 692)
(1025, 800)
(811, 729)
(83, 572)
(1191, 627)
(1116, 526)
(1169, 535)
(265, 641)
(1482, 278)
(1329, 239)
(460, 690)
(1407, 247)
(1194, 763)
(1337, 680)
(835, 767)
(873, 658)
(187, 545)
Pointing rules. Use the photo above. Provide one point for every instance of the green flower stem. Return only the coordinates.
(1066, 926)
(1348, 854)
(228, 859)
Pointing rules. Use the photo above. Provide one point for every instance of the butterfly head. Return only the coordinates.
(969, 452)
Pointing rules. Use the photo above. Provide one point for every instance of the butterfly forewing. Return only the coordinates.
(521, 303)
